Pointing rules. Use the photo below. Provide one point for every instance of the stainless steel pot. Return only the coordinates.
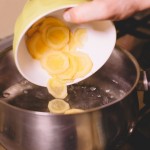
(109, 98)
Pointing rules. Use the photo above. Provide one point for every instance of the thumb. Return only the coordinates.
(88, 11)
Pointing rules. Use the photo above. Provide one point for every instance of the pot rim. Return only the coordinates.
(92, 109)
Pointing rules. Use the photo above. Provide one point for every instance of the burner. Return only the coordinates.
(134, 35)
(140, 138)
(138, 26)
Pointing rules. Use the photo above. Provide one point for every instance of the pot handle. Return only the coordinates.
(148, 78)
(144, 81)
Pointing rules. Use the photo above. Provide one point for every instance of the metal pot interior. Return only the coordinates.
(114, 81)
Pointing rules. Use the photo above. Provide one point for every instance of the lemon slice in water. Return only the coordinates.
(58, 106)
(74, 111)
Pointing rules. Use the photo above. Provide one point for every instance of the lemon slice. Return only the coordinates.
(58, 106)
(77, 39)
(51, 22)
(84, 64)
(36, 46)
(80, 36)
(57, 88)
(74, 111)
(65, 48)
(39, 22)
(34, 27)
(32, 30)
(70, 72)
(55, 62)
(57, 37)
(72, 43)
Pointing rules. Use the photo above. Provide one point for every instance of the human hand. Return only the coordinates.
(105, 9)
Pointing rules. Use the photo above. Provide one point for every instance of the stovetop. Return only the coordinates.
(140, 138)
(134, 36)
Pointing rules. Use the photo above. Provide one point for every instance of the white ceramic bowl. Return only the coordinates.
(99, 44)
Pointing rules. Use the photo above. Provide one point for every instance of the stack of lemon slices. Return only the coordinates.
(54, 44)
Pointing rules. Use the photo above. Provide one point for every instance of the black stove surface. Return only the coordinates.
(134, 36)
(140, 138)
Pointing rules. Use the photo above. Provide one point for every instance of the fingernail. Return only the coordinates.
(67, 17)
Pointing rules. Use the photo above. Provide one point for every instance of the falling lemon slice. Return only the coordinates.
(74, 111)
(57, 88)
(55, 62)
(84, 64)
(58, 106)
(36, 46)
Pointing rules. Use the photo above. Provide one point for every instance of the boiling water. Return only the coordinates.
(79, 96)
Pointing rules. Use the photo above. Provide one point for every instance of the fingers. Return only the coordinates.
(86, 12)
(103, 10)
